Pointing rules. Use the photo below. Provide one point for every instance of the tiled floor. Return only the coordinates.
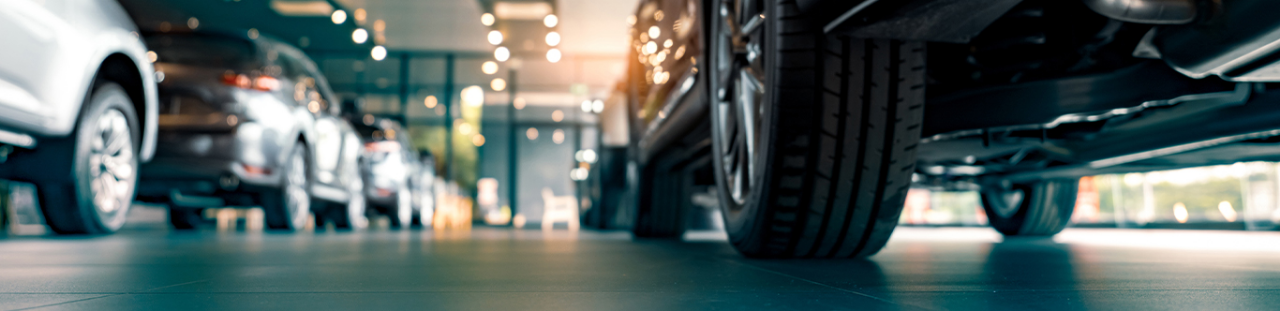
(502, 269)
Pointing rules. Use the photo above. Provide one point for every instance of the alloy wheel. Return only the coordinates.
(112, 166)
(299, 202)
(740, 94)
(356, 206)
(404, 206)
(1008, 199)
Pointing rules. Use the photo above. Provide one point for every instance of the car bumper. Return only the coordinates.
(207, 165)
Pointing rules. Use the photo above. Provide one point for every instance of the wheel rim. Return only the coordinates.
(1008, 201)
(739, 72)
(404, 207)
(296, 191)
(112, 166)
(356, 206)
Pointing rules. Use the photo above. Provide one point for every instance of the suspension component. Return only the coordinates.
(1164, 12)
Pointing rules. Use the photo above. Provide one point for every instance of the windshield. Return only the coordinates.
(203, 51)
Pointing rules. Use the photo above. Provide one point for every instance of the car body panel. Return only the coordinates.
(56, 46)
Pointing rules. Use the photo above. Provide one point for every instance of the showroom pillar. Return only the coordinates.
(448, 117)
(513, 161)
(404, 89)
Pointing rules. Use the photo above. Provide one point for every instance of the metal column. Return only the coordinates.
(404, 89)
(513, 162)
(448, 116)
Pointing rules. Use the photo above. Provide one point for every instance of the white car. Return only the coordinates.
(77, 108)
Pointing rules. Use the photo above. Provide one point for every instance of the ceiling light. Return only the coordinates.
(339, 17)
(586, 106)
(489, 67)
(553, 38)
(495, 37)
(473, 96)
(498, 84)
(557, 136)
(430, 101)
(553, 55)
(360, 36)
(551, 20)
(486, 19)
(597, 106)
(302, 8)
(557, 115)
(530, 11)
(378, 53)
(360, 16)
(501, 54)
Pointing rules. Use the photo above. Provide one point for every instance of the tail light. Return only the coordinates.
(261, 83)
(382, 146)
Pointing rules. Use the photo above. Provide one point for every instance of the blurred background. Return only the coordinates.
(517, 102)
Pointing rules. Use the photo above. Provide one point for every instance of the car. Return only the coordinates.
(248, 120)
(392, 171)
(78, 109)
(817, 116)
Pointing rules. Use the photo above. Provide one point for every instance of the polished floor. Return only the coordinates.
(149, 268)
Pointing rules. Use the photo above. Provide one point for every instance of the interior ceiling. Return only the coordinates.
(590, 27)
(437, 25)
(238, 16)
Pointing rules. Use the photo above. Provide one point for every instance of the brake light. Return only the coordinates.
(266, 83)
(382, 146)
(255, 170)
(261, 83)
(236, 80)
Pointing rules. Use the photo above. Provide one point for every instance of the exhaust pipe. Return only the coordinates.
(1164, 12)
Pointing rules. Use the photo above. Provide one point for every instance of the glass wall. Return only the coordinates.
(1239, 196)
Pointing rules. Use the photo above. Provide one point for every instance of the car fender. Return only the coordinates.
(102, 29)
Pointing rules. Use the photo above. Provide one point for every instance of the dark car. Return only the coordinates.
(823, 113)
(248, 121)
(391, 168)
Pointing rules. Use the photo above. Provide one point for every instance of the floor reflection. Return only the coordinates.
(506, 268)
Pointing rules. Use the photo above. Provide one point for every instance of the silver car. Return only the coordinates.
(77, 109)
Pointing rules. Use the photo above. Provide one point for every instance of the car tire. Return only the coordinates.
(185, 218)
(287, 208)
(1040, 208)
(814, 136)
(661, 188)
(401, 212)
(353, 214)
(88, 179)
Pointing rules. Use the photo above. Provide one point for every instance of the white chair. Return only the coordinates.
(559, 208)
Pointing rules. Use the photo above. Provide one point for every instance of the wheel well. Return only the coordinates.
(122, 70)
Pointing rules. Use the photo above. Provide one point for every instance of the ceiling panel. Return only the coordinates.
(442, 25)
